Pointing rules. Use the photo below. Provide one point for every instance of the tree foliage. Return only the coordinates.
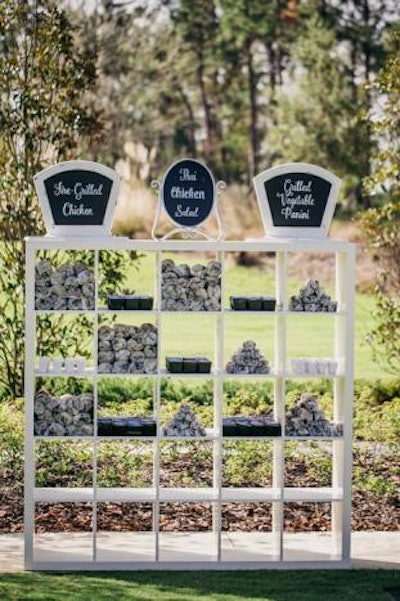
(381, 225)
(43, 80)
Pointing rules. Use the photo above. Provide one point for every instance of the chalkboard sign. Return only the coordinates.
(297, 199)
(188, 193)
(77, 197)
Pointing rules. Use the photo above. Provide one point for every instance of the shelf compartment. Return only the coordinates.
(247, 532)
(247, 464)
(186, 531)
(308, 464)
(179, 337)
(125, 463)
(186, 464)
(62, 548)
(308, 533)
(56, 464)
(115, 547)
(60, 522)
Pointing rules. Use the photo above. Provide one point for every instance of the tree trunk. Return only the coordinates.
(254, 138)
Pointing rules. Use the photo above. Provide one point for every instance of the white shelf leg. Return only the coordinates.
(343, 401)
(30, 353)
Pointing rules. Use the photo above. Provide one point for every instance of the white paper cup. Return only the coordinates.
(70, 363)
(332, 367)
(312, 367)
(58, 364)
(80, 365)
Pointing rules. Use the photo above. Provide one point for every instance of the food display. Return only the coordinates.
(306, 366)
(248, 360)
(69, 287)
(250, 426)
(126, 426)
(188, 365)
(129, 302)
(313, 299)
(67, 415)
(306, 418)
(252, 303)
(59, 365)
(190, 288)
(184, 423)
(127, 349)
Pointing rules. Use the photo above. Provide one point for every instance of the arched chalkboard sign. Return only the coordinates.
(77, 197)
(297, 200)
(188, 193)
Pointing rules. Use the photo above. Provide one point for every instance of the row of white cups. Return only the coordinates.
(71, 365)
(59, 365)
(312, 367)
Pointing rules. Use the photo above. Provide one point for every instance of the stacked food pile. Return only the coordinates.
(127, 349)
(184, 423)
(67, 415)
(312, 298)
(68, 287)
(195, 288)
(306, 418)
(248, 360)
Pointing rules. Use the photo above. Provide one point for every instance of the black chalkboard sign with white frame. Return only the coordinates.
(188, 195)
(77, 198)
(297, 200)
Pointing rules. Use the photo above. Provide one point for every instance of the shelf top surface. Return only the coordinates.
(256, 245)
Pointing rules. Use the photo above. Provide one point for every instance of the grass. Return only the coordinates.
(353, 585)
(309, 335)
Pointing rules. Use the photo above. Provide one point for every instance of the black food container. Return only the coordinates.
(104, 426)
(238, 303)
(149, 427)
(257, 426)
(133, 426)
(174, 365)
(229, 426)
(254, 303)
(203, 365)
(268, 303)
(115, 302)
(271, 428)
(243, 425)
(132, 303)
(145, 303)
(118, 426)
(189, 365)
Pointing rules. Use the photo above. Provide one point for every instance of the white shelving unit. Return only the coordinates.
(217, 549)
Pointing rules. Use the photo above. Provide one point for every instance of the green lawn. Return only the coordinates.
(354, 585)
(308, 335)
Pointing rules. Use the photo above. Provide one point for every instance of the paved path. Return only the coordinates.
(369, 550)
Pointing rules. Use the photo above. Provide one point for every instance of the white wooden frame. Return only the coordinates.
(339, 494)
(296, 232)
(73, 230)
